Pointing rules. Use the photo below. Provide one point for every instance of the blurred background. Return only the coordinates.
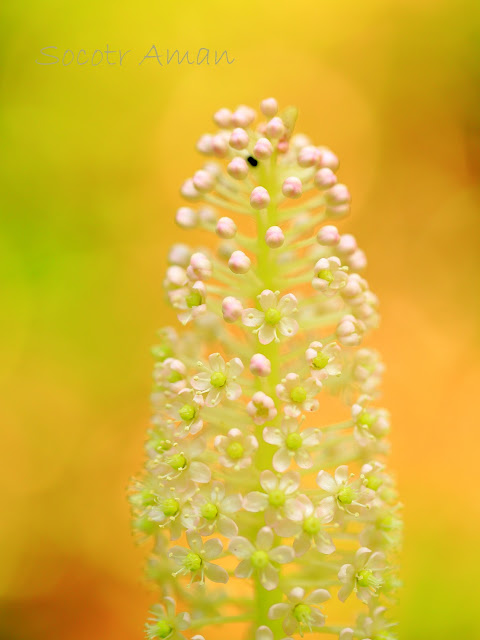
(92, 158)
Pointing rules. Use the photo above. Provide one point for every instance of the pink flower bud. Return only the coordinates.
(337, 195)
(292, 187)
(308, 156)
(200, 267)
(357, 261)
(207, 217)
(188, 190)
(175, 276)
(204, 144)
(269, 107)
(239, 262)
(220, 145)
(179, 254)
(275, 128)
(328, 236)
(226, 228)
(259, 198)
(203, 181)
(337, 212)
(283, 146)
(239, 139)
(324, 178)
(243, 116)
(350, 331)
(260, 365)
(274, 237)
(223, 118)
(262, 149)
(186, 218)
(347, 244)
(328, 159)
(231, 309)
(237, 168)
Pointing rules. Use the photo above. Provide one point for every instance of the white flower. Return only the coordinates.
(236, 449)
(279, 499)
(299, 396)
(329, 276)
(186, 407)
(370, 423)
(324, 361)
(219, 379)
(170, 509)
(170, 376)
(362, 576)
(343, 494)
(292, 443)
(189, 301)
(196, 560)
(261, 408)
(367, 370)
(350, 330)
(308, 527)
(261, 557)
(179, 463)
(264, 633)
(300, 613)
(275, 316)
(212, 510)
(163, 622)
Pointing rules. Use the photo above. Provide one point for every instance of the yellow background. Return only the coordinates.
(91, 163)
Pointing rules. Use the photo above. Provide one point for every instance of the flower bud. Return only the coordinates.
(237, 168)
(239, 262)
(324, 178)
(337, 195)
(203, 181)
(350, 331)
(328, 159)
(231, 309)
(189, 191)
(357, 261)
(259, 198)
(220, 145)
(239, 139)
(274, 237)
(269, 107)
(262, 149)
(175, 276)
(226, 228)
(328, 236)
(347, 244)
(260, 365)
(186, 218)
(292, 187)
(223, 118)
(308, 156)
(243, 116)
(204, 144)
(275, 128)
(200, 267)
(207, 217)
(179, 254)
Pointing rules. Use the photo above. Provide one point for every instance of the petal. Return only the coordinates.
(255, 501)
(231, 504)
(244, 569)
(303, 459)
(226, 527)
(376, 561)
(290, 482)
(287, 304)
(216, 362)
(301, 544)
(341, 474)
(296, 595)
(241, 547)
(235, 367)
(347, 574)
(318, 596)
(361, 557)
(282, 554)
(213, 397)
(326, 482)
(263, 633)
(216, 573)
(252, 317)
(267, 300)
(278, 611)
(201, 382)
(268, 479)
(264, 540)
(281, 460)
(288, 327)
(290, 624)
(194, 540)
(268, 577)
(233, 391)
(213, 549)
(345, 591)
(273, 435)
(318, 618)
(199, 472)
(266, 334)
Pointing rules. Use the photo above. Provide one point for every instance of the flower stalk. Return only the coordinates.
(245, 481)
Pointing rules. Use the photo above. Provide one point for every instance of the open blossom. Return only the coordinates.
(219, 379)
(236, 449)
(261, 557)
(363, 576)
(274, 316)
(292, 444)
(300, 612)
(298, 395)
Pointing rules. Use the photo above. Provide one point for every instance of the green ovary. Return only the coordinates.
(374, 483)
(293, 441)
(276, 498)
(346, 495)
(273, 316)
(259, 559)
(187, 412)
(194, 299)
(298, 394)
(366, 578)
(178, 461)
(312, 525)
(235, 450)
(320, 361)
(218, 379)
(170, 507)
(301, 612)
(326, 274)
(365, 419)
(209, 511)
(163, 629)
(174, 377)
(162, 352)
(192, 562)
